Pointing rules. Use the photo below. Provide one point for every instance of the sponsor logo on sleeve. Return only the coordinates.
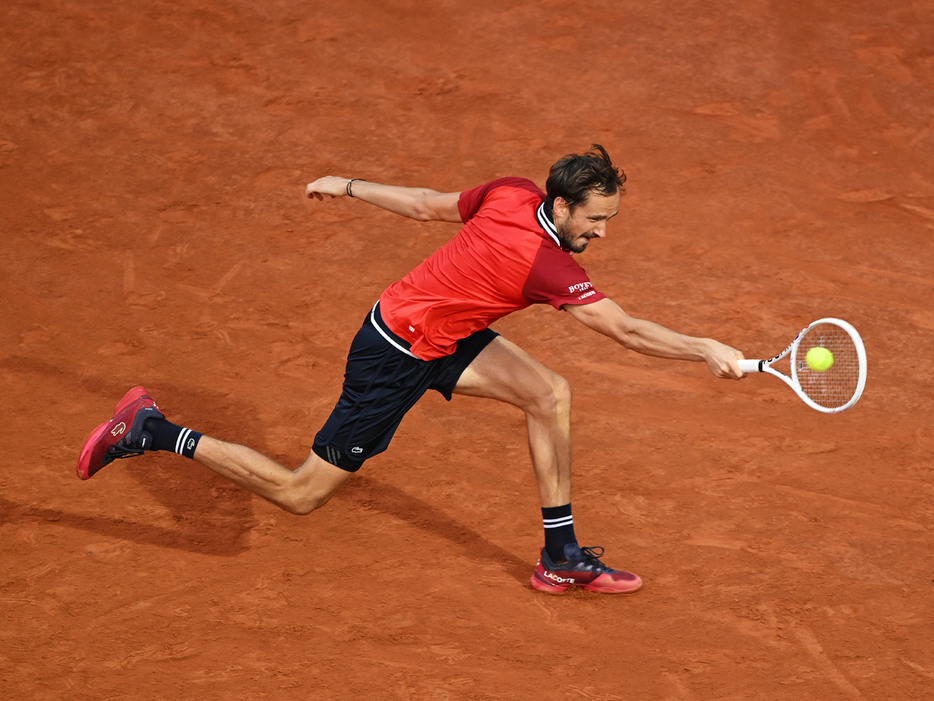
(579, 287)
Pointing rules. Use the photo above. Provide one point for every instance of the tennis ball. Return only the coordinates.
(819, 359)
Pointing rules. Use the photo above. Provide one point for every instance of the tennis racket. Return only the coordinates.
(833, 390)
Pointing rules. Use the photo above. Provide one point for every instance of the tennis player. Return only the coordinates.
(430, 331)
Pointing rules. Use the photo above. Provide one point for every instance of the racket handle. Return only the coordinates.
(748, 366)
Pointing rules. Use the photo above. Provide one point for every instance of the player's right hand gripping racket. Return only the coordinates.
(833, 390)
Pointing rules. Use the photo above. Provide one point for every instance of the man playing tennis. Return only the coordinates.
(430, 331)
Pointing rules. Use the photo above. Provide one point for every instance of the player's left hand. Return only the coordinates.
(329, 185)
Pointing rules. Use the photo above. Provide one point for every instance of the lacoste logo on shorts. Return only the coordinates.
(356, 451)
(118, 429)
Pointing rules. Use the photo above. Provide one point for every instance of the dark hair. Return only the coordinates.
(574, 177)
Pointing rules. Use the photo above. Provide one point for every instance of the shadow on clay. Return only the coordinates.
(225, 541)
(390, 500)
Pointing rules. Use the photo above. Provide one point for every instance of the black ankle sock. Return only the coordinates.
(559, 530)
(168, 436)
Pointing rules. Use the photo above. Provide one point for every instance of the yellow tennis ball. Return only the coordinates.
(819, 359)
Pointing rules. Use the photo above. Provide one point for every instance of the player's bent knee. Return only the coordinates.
(552, 398)
(562, 391)
(303, 504)
(312, 486)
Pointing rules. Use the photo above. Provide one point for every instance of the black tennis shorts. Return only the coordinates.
(381, 383)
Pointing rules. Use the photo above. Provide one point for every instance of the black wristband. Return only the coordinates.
(351, 182)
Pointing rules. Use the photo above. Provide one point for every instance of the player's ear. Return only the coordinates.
(560, 209)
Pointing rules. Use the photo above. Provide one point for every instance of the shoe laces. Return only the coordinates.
(584, 560)
(595, 553)
(591, 557)
(122, 449)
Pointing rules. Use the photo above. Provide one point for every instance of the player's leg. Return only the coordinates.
(505, 372)
(300, 491)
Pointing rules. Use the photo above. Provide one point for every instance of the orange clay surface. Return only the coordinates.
(155, 231)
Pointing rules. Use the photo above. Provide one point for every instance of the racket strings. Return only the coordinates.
(834, 387)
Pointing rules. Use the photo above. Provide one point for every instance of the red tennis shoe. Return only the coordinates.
(582, 569)
(121, 437)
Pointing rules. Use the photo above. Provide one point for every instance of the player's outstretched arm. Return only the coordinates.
(417, 203)
(649, 338)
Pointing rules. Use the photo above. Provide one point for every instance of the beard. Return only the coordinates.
(574, 243)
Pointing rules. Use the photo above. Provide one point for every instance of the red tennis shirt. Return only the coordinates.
(505, 258)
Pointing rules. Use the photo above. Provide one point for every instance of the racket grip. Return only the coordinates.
(748, 366)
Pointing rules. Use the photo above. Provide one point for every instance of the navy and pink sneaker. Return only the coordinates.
(582, 568)
(121, 437)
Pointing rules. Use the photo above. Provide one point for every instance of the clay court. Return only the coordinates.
(153, 158)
